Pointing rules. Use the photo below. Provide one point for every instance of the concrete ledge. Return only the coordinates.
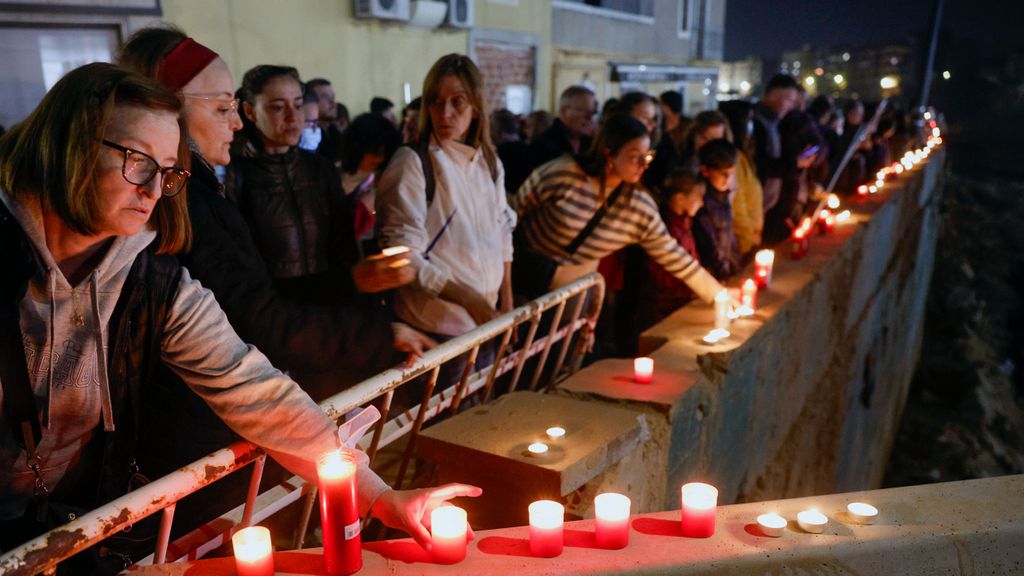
(805, 397)
(973, 527)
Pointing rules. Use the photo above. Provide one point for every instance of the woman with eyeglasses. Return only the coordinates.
(93, 301)
(573, 211)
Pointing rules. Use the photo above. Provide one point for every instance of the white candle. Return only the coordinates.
(722, 309)
(812, 521)
(538, 448)
(716, 335)
(862, 513)
(643, 370)
(771, 524)
(555, 432)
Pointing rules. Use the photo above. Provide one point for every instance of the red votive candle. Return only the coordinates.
(611, 520)
(546, 537)
(448, 529)
(764, 260)
(699, 505)
(339, 513)
(643, 370)
(254, 555)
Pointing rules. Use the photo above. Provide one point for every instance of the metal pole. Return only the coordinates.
(930, 64)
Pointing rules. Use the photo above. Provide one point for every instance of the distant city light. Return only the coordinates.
(889, 82)
(706, 91)
(946, 74)
(723, 86)
(809, 81)
(745, 86)
(796, 64)
(819, 71)
(846, 56)
(838, 79)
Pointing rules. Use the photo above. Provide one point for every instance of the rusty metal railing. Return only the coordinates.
(573, 309)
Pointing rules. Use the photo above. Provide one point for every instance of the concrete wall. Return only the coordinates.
(805, 398)
(362, 58)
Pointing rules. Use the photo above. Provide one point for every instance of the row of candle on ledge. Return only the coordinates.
(813, 522)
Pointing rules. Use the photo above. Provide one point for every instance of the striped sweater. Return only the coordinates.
(558, 199)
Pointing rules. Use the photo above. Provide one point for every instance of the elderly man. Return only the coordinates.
(571, 132)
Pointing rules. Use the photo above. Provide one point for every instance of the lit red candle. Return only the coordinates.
(546, 528)
(643, 370)
(764, 261)
(825, 221)
(339, 513)
(254, 555)
(801, 242)
(699, 506)
(448, 529)
(611, 522)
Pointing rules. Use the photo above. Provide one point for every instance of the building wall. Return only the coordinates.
(362, 58)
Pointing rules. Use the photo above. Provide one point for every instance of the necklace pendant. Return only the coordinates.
(78, 320)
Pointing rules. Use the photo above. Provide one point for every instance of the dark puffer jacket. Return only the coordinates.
(289, 200)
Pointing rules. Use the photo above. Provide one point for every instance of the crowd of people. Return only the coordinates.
(177, 240)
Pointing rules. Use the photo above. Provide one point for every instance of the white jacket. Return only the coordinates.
(472, 250)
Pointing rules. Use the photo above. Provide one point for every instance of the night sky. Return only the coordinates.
(828, 23)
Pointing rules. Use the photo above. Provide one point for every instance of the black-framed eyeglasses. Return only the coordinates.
(140, 168)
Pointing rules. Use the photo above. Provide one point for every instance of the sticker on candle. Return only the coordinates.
(771, 524)
(546, 528)
(812, 521)
(611, 520)
(448, 529)
(254, 554)
(862, 513)
(698, 510)
(643, 370)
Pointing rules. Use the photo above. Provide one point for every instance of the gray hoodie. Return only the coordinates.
(65, 333)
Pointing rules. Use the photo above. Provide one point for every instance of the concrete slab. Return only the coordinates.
(487, 446)
(973, 527)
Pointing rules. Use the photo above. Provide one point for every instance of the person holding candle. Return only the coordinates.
(325, 347)
(444, 198)
(559, 199)
(91, 214)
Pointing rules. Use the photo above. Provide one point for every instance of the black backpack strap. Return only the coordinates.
(594, 221)
(422, 149)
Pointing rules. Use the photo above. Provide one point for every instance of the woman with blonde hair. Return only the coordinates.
(444, 198)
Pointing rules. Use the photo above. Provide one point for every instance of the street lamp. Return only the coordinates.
(838, 79)
(889, 82)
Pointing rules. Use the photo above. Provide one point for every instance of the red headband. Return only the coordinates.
(184, 63)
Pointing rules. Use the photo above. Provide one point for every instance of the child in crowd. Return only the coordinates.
(716, 242)
(684, 197)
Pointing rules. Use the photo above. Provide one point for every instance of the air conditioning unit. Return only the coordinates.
(427, 13)
(460, 13)
(383, 9)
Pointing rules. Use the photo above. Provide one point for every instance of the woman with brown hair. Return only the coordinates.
(91, 210)
(445, 199)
